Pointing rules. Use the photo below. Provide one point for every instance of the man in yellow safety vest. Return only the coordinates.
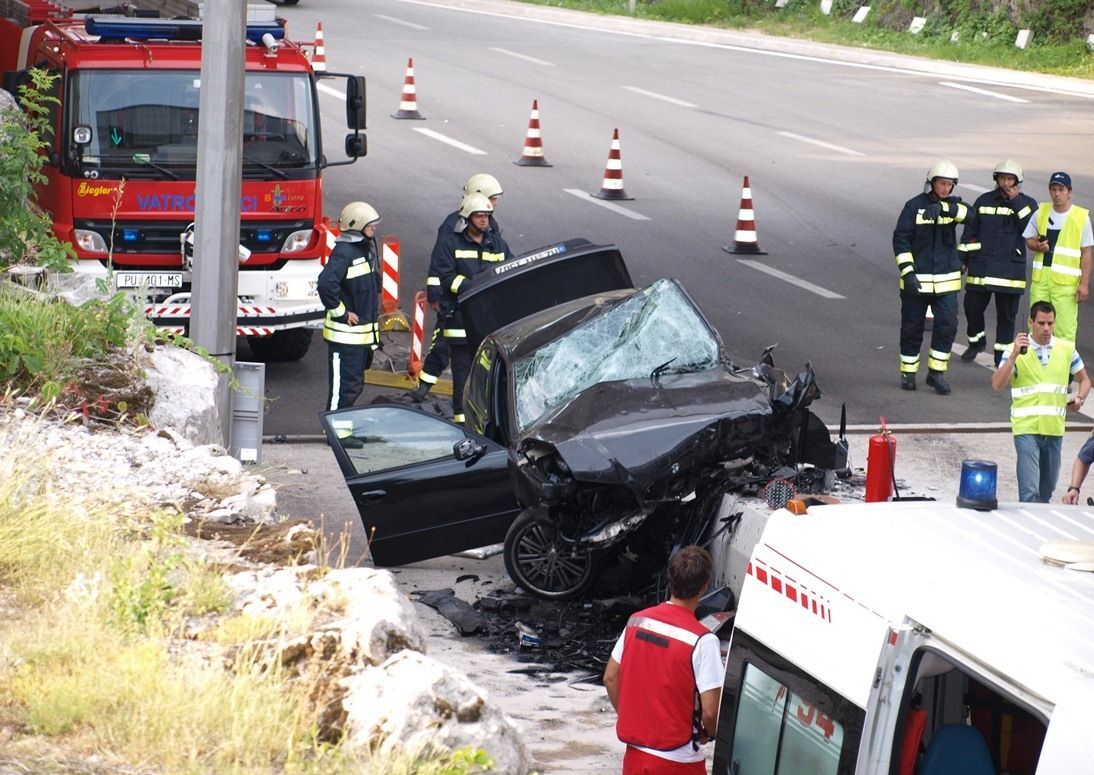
(1061, 238)
(1039, 368)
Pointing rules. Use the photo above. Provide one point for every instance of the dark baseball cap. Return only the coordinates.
(1060, 177)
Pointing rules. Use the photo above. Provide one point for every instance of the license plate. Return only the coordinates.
(148, 279)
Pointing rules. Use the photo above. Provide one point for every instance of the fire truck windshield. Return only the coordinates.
(145, 123)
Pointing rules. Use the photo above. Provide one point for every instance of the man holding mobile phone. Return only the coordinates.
(1061, 238)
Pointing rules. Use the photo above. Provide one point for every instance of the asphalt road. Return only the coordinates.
(833, 149)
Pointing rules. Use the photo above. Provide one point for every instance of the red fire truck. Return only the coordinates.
(122, 160)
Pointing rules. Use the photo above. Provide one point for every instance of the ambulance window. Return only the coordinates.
(777, 719)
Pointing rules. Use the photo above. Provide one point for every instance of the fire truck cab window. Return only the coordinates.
(144, 119)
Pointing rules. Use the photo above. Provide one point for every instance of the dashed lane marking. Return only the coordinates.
(789, 278)
(451, 141)
(985, 92)
(606, 204)
(821, 144)
(525, 57)
(404, 23)
(330, 90)
(656, 96)
(974, 187)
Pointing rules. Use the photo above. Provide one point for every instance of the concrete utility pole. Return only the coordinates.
(215, 281)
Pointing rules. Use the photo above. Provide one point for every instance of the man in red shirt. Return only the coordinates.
(666, 690)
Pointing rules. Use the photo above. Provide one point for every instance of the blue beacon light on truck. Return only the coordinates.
(139, 28)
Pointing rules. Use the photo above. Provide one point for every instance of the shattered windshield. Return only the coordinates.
(657, 329)
(147, 121)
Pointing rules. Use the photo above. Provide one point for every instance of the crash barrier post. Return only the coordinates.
(744, 237)
(417, 336)
(612, 187)
(880, 465)
(328, 234)
(408, 104)
(532, 156)
(391, 317)
(319, 53)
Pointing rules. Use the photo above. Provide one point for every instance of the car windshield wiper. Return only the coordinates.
(265, 165)
(658, 371)
(134, 161)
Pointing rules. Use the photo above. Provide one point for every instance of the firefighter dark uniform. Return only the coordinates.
(350, 282)
(925, 244)
(658, 694)
(438, 355)
(995, 252)
(460, 258)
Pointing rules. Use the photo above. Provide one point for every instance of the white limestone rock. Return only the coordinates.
(412, 702)
(185, 386)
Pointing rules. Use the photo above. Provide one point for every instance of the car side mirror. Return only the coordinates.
(468, 449)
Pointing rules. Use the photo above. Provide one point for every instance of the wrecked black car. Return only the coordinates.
(604, 425)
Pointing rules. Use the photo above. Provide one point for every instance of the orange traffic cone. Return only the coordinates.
(744, 238)
(533, 143)
(408, 105)
(612, 187)
(319, 54)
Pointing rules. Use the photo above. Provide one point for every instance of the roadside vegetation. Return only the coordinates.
(973, 31)
(98, 588)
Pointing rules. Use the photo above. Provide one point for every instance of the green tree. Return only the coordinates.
(25, 231)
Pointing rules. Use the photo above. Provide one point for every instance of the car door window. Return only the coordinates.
(378, 438)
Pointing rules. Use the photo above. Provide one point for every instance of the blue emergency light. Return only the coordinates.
(263, 235)
(978, 481)
(130, 235)
(137, 28)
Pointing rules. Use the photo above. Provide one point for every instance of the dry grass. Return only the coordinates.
(95, 673)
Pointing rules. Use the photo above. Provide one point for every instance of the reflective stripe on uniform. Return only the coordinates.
(455, 333)
(493, 257)
(458, 417)
(1042, 387)
(465, 254)
(969, 247)
(358, 268)
(433, 281)
(909, 364)
(937, 360)
(457, 281)
(1002, 282)
(665, 629)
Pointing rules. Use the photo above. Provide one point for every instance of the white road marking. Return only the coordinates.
(824, 292)
(450, 141)
(606, 204)
(985, 92)
(974, 187)
(330, 90)
(525, 57)
(657, 96)
(821, 144)
(393, 20)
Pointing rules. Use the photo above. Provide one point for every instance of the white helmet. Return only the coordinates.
(942, 169)
(356, 216)
(475, 203)
(1008, 167)
(482, 183)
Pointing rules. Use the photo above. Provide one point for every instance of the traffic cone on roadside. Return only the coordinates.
(408, 104)
(319, 54)
(532, 155)
(744, 237)
(612, 187)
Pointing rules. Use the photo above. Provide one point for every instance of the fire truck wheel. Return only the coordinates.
(543, 562)
(281, 346)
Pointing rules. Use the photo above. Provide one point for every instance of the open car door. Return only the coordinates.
(423, 485)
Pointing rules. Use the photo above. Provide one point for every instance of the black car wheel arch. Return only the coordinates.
(539, 559)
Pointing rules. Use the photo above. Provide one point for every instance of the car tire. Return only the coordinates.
(281, 346)
(540, 561)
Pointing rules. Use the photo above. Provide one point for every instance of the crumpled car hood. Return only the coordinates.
(629, 431)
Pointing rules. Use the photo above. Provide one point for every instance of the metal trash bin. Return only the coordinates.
(247, 410)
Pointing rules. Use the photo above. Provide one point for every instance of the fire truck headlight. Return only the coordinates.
(297, 241)
(90, 241)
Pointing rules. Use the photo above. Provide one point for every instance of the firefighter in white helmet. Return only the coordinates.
(925, 244)
(349, 287)
(994, 252)
(465, 251)
(479, 183)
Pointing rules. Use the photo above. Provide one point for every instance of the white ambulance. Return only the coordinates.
(919, 637)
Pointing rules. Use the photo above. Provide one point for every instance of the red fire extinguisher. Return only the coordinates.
(880, 465)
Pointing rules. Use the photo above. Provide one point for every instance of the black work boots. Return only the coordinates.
(937, 380)
(418, 394)
(907, 381)
(973, 350)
